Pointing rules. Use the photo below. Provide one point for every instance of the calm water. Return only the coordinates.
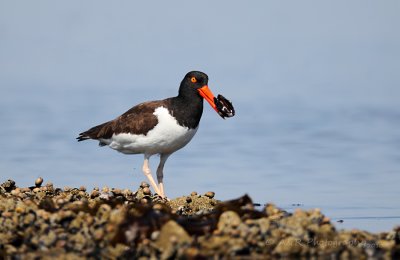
(343, 158)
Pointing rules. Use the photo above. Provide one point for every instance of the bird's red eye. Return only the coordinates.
(193, 79)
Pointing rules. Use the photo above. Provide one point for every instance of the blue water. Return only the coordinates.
(344, 159)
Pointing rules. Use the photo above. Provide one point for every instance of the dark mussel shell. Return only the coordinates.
(224, 106)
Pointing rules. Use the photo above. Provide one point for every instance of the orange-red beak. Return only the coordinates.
(206, 93)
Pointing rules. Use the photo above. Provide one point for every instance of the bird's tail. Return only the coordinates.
(82, 137)
(93, 133)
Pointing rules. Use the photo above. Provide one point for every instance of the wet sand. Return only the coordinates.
(73, 223)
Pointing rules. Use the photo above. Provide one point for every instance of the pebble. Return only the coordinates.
(146, 191)
(127, 192)
(9, 185)
(144, 184)
(158, 207)
(106, 195)
(38, 182)
(16, 192)
(117, 191)
(7, 214)
(50, 186)
(144, 201)
(155, 235)
(210, 194)
(60, 201)
(98, 234)
(94, 194)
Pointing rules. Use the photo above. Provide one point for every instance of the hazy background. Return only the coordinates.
(315, 85)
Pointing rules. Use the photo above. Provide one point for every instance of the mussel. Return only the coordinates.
(224, 106)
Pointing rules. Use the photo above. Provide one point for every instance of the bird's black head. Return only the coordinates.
(194, 80)
(195, 85)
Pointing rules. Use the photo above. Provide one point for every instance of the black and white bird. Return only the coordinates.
(158, 127)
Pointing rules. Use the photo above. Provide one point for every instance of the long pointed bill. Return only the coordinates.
(206, 93)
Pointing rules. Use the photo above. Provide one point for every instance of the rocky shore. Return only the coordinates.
(45, 222)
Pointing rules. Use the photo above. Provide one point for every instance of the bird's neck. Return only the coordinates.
(188, 110)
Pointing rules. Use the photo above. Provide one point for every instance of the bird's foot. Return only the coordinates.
(158, 198)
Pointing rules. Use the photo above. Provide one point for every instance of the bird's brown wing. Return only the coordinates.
(139, 119)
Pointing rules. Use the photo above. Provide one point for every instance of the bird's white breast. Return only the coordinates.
(166, 137)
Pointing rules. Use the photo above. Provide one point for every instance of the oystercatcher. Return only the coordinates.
(159, 127)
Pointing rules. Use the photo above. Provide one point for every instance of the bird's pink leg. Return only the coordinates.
(160, 174)
(147, 173)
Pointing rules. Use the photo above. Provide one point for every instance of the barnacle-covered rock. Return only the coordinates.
(44, 222)
(193, 204)
(172, 237)
(7, 186)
